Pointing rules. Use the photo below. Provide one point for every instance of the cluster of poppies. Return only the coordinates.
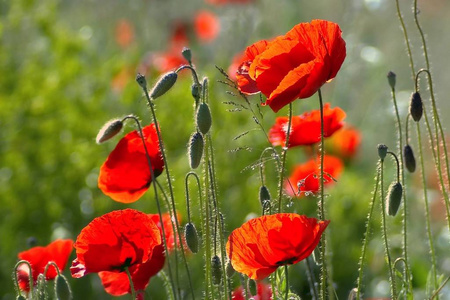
(292, 66)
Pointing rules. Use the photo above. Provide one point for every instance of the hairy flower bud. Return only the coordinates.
(191, 237)
(216, 270)
(394, 198)
(195, 150)
(203, 118)
(382, 151)
(410, 161)
(391, 79)
(416, 106)
(186, 52)
(140, 79)
(264, 194)
(252, 287)
(164, 84)
(62, 288)
(195, 90)
(229, 269)
(109, 130)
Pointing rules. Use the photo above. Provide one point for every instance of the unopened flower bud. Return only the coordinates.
(20, 297)
(391, 79)
(195, 90)
(195, 150)
(394, 198)
(382, 151)
(416, 106)
(109, 130)
(203, 118)
(62, 288)
(191, 237)
(164, 84)
(186, 52)
(229, 269)
(252, 287)
(264, 195)
(140, 79)
(410, 161)
(216, 270)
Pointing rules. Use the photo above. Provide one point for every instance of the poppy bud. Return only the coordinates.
(229, 269)
(195, 90)
(191, 237)
(164, 84)
(382, 151)
(394, 198)
(140, 79)
(203, 118)
(416, 106)
(109, 130)
(20, 297)
(391, 79)
(62, 288)
(186, 52)
(195, 150)
(216, 270)
(264, 195)
(252, 287)
(410, 161)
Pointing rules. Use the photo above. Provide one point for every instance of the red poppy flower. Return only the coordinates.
(124, 33)
(297, 64)
(125, 176)
(164, 62)
(118, 284)
(305, 129)
(261, 245)
(57, 252)
(116, 240)
(206, 26)
(264, 292)
(345, 142)
(305, 177)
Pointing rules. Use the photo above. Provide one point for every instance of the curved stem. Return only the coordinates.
(283, 160)
(30, 275)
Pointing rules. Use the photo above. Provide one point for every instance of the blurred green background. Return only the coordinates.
(64, 75)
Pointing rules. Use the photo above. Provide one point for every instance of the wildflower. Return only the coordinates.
(345, 142)
(125, 176)
(263, 244)
(115, 241)
(305, 177)
(38, 257)
(298, 63)
(206, 26)
(264, 292)
(305, 129)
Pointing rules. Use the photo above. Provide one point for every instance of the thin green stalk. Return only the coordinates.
(427, 212)
(207, 235)
(311, 278)
(167, 283)
(384, 230)
(405, 34)
(133, 291)
(366, 237)
(436, 293)
(286, 276)
(283, 160)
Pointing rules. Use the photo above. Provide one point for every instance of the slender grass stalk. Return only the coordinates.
(405, 34)
(167, 285)
(436, 293)
(283, 161)
(366, 236)
(311, 278)
(133, 291)
(384, 230)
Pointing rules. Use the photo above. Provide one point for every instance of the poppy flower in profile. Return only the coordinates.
(206, 26)
(125, 176)
(264, 292)
(119, 239)
(305, 177)
(298, 63)
(57, 252)
(345, 142)
(305, 129)
(263, 244)
(118, 284)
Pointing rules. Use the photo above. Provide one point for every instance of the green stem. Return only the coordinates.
(286, 276)
(283, 160)
(366, 237)
(30, 275)
(311, 278)
(207, 235)
(133, 292)
(436, 293)
(405, 34)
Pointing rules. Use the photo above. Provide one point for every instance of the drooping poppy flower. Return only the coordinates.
(57, 252)
(119, 239)
(298, 63)
(264, 292)
(206, 26)
(305, 177)
(345, 142)
(305, 129)
(124, 33)
(125, 176)
(263, 244)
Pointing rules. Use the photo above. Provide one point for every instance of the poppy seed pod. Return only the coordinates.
(191, 237)
(140, 79)
(164, 84)
(252, 287)
(382, 151)
(203, 118)
(391, 79)
(410, 161)
(62, 288)
(394, 198)
(264, 194)
(186, 52)
(195, 150)
(216, 270)
(416, 106)
(109, 130)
